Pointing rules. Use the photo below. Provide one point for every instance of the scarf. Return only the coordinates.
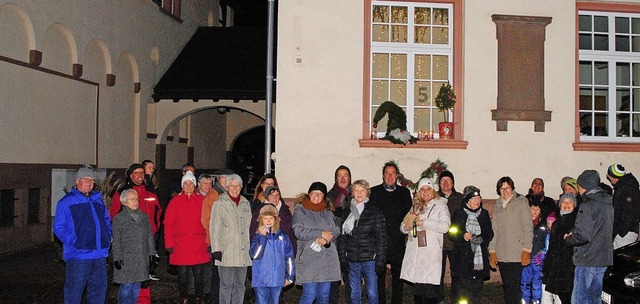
(341, 197)
(353, 217)
(307, 204)
(134, 214)
(235, 199)
(473, 227)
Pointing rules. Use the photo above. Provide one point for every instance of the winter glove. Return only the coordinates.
(170, 250)
(538, 259)
(525, 258)
(476, 240)
(118, 264)
(217, 255)
(493, 260)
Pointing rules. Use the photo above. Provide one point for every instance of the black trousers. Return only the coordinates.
(396, 283)
(198, 280)
(511, 274)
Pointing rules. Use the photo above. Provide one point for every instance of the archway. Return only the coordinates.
(247, 157)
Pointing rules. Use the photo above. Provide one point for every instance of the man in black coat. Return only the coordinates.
(394, 201)
(626, 204)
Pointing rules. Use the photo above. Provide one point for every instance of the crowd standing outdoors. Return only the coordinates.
(546, 251)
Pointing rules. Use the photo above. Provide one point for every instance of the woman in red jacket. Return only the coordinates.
(184, 238)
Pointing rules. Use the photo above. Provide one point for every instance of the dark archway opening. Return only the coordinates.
(247, 158)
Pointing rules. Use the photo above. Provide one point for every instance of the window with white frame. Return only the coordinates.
(609, 76)
(411, 57)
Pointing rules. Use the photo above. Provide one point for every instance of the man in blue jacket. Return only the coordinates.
(83, 225)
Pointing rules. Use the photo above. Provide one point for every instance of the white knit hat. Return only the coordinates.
(427, 182)
(188, 176)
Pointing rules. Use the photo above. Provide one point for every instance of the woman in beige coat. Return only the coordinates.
(425, 224)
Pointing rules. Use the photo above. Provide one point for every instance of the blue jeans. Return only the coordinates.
(587, 285)
(128, 293)
(267, 295)
(356, 271)
(318, 291)
(90, 274)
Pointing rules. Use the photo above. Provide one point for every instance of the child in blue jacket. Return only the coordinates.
(272, 254)
(531, 282)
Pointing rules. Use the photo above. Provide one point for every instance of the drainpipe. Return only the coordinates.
(269, 99)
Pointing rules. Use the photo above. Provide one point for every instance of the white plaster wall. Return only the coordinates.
(320, 103)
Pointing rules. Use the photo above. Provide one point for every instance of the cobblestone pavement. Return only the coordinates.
(35, 276)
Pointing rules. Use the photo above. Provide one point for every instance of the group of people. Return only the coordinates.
(546, 251)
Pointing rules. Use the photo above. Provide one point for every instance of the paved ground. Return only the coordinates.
(36, 277)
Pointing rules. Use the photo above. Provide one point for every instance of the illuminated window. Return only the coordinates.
(411, 56)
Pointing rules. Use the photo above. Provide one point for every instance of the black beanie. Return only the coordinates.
(132, 168)
(448, 174)
(320, 186)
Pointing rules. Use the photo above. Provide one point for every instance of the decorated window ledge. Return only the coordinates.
(421, 144)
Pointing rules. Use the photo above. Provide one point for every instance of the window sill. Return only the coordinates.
(423, 144)
(606, 147)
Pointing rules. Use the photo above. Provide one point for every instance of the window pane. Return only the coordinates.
(380, 14)
(623, 98)
(422, 34)
(422, 68)
(441, 16)
(380, 65)
(382, 124)
(635, 125)
(441, 35)
(601, 24)
(399, 92)
(635, 44)
(399, 66)
(600, 100)
(601, 73)
(635, 25)
(585, 72)
(622, 25)
(7, 202)
(585, 41)
(601, 42)
(636, 100)
(398, 33)
(422, 15)
(585, 23)
(622, 43)
(440, 67)
(622, 125)
(399, 14)
(33, 215)
(422, 93)
(586, 100)
(422, 120)
(379, 91)
(380, 33)
(600, 124)
(622, 73)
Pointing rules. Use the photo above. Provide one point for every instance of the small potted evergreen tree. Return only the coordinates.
(445, 100)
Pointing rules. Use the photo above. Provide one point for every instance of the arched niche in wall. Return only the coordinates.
(16, 36)
(59, 51)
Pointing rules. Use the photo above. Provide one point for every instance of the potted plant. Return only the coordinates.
(445, 100)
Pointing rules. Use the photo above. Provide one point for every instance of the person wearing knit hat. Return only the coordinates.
(317, 232)
(426, 223)
(626, 203)
(273, 257)
(394, 201)
(447, 190)
(558, 269)
(184, 238)
(83, 225)
(471, 233)
(592, 239)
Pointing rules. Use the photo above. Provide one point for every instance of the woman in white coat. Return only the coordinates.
(425, 224)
